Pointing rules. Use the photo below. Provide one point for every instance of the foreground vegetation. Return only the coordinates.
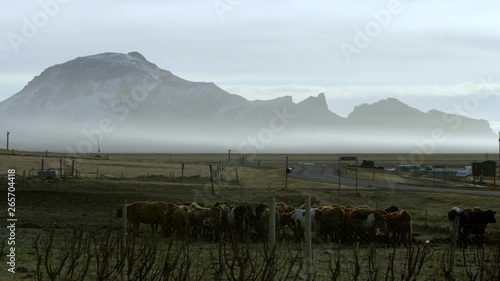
(84, 255)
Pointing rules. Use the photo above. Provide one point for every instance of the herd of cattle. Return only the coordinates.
(332, 223)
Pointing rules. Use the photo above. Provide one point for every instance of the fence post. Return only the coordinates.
(97, 173)
(286, 172)
(308, 240)
(211, 180)
(425, 219)
(272, 231)
(182, 172)
(42, 169)
(454, 238)
(124, 238)
(60, 168)
(73, 167)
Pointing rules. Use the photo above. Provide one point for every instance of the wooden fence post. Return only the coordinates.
(454, 238)
(124, 238)
(272, 231)
(182, 172)
(211, 180)
(60, 168)
(308, 241)
(425, 220)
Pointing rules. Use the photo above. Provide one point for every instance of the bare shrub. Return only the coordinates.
(83, 255)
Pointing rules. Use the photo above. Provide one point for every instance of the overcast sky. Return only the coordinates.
(353, 51)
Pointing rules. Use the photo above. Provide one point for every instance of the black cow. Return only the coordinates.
(474, 222)
(392, 209)
(241, 219)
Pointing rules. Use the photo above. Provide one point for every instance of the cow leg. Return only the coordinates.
(134, 228)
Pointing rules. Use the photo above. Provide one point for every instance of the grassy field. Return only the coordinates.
(89, 203)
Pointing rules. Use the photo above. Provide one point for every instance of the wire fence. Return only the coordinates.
(174, 240)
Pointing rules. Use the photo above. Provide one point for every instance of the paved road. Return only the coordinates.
(328, 174)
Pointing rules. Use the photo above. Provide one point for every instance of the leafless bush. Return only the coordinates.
(71, 262)
(101, 256)
(372, 264)
(77, 249)
(415, 260)
(334, 270)
(107, 252)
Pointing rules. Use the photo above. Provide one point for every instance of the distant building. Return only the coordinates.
(486, 168)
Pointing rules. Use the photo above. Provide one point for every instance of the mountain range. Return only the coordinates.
(126, 103)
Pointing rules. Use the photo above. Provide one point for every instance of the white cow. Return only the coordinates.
(297, 222)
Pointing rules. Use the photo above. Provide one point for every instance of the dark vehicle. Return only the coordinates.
(367, 164)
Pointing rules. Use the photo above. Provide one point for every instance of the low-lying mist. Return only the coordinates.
(70, 139)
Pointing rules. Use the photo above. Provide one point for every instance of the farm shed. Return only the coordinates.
(484, 168)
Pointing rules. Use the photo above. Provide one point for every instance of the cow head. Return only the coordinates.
(490, 215)
(392, 209)
(381, 217)
(285, 219)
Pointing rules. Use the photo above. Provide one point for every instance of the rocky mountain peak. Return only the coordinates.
(137, 55)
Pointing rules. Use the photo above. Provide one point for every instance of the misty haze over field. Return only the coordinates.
(281, 76)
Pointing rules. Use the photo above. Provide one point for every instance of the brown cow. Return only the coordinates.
(180, 220)
(206, 222)
(282, 207)
(151, 213)
(400, 225)
(332, 224)
(167, 224)
(262, 224)
(224, 209)
(364, 223)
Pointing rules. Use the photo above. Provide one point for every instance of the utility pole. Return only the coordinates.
(286, 172)
(228, 155)
(8, 133)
